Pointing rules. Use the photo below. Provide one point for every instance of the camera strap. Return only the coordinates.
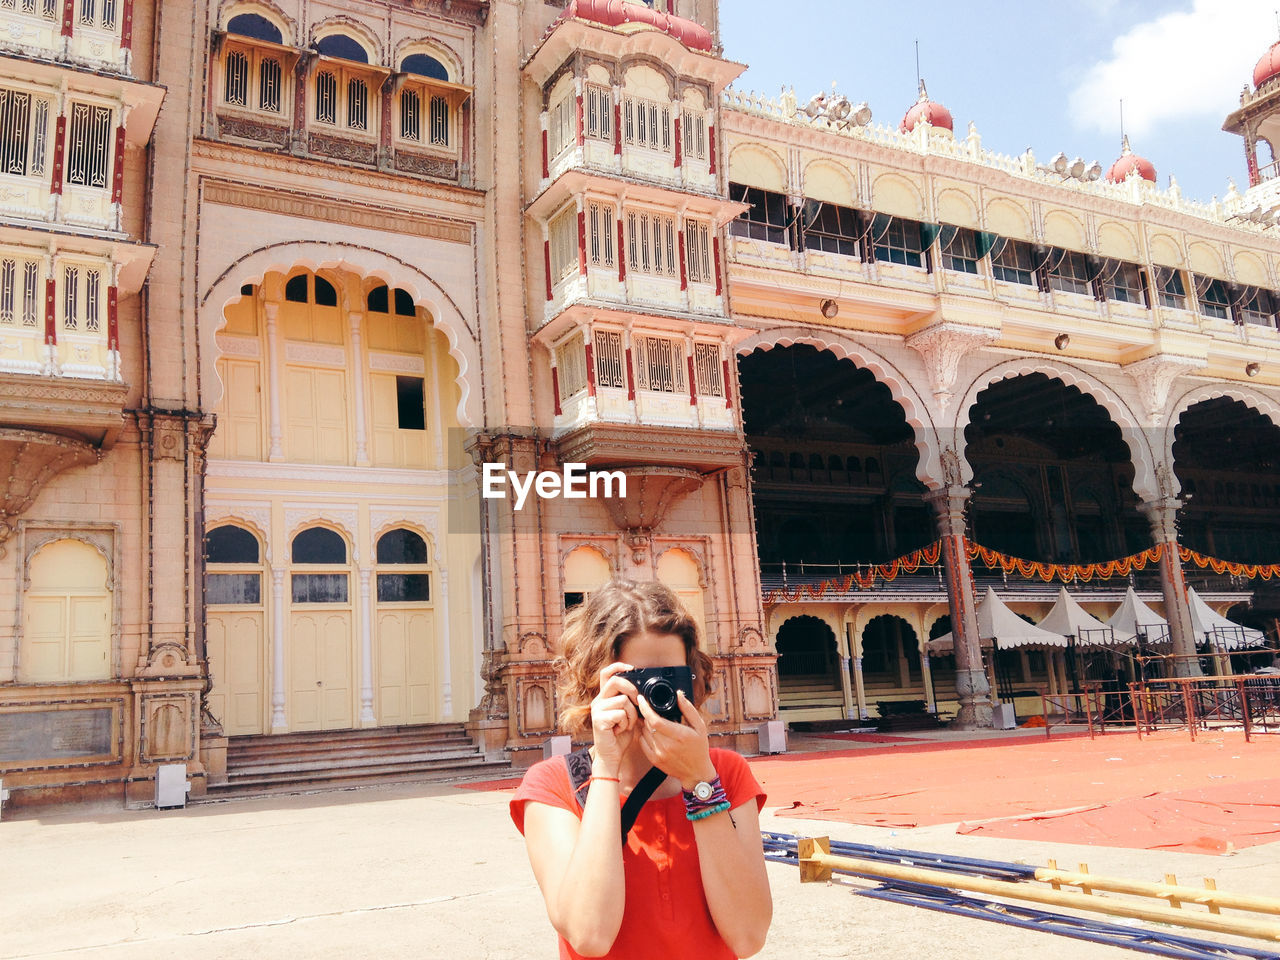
(579, 764)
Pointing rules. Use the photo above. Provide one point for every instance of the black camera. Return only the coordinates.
(658, 685)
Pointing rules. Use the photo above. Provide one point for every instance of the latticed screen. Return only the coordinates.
(564, 244)
(48, 9)
(269, 85)
(695, 135)
(599, 113)
(236, 89)
(707, 368)
(357, 104)
(600, 227)
(651, 244)
(24, 124)
(697, 241)
(89, 145)
(326, 97)
(659, 364)
(610, 359)
(571, 366)
(560, 130)
(647, 123)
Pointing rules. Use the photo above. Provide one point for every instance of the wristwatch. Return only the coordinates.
(703, 791)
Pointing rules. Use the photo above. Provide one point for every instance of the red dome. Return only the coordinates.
(614, 13)
(1128, 162)
(924, 108)
(1268, 66)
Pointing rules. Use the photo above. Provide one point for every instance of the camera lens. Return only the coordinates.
(661, 696)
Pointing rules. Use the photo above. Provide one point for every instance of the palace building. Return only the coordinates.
(278, 277)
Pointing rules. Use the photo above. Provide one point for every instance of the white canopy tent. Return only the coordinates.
(1133, 617)
(1222, 633)
(1070, 619)
(997, 622)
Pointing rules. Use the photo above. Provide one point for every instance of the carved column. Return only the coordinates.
(278, 720)
(972, 688)
(433, 391)
(272, 314)
(846, 691)
(1162, 514)
(367, 719)
(926, 673)
(860, 689)
(357, 355)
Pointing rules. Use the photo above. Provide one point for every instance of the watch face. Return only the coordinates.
(703, 791)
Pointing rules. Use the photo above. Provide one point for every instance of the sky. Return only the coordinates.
(1049, 76)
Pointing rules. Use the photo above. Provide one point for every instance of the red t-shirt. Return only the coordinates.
(666, 913)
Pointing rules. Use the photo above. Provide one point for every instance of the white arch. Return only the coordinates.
(928, 469)
(1122, 415)
(1250, 397)
(314, 256)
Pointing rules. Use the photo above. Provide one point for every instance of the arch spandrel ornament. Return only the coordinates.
(919, 415)
(1122, 415)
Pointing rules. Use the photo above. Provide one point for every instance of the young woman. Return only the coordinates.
(690, 880)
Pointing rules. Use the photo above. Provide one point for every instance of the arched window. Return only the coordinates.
(342, 47)
(326, 294)
(256, 27)
(379, 301)
(320, 547)
(403, 576)
(66, 615)
(326, 97)
(226, 548)
(295, 290)
(253, 74)
(425, 66)
(585, 571)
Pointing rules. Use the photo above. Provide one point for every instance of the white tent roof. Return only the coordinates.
(996, 620)
(1070, 619)
(1133, 613)
(1222, 632)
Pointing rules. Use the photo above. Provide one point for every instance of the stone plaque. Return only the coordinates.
(43, 735)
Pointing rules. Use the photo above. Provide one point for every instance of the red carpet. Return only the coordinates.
(1159, 793)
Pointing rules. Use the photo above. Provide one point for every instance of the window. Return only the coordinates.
(343, 95)
(255, 26)
(419, 103)
(425, 65)
(88, 145)
(695, 135)
(439, 122)
(707, 369)
(561, 123)
(599, 105)
(410, 403)
(1258, 306)
(48, 9)
(610, 360)
(600, 234)
(232, 545)
(766, 220)
(647, 123)
(236, 87)
(651, 244)
(24, 133)
(1212, 296)
(318, 546)
(1169, 287)
(378, 301)
(326, 97)
(960, 253)
(357, 104)
(897, 240)
(19, 292)
(97, 13)
(82, 297)
(342, 47)
(571, 366)
(295, 290)
(659, 364)
(403, 548)
(252, 79)
(1011, 262)
(1124, 284)
(411, 115)
(1070, 274)
(697, 248)
(830, 228)
(564, 245)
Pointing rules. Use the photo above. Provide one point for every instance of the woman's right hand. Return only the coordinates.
(615, 721)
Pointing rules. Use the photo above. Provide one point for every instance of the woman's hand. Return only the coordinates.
(614, 721)
(680, 750)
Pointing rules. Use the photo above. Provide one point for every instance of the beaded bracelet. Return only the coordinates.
(720, 807)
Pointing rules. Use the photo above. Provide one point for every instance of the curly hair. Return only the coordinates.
(595, 631)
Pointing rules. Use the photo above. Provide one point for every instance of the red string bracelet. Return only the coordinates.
(610, 779)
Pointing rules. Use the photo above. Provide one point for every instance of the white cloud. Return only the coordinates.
(1190, 63)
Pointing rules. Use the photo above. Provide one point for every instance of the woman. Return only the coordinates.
(690, 880)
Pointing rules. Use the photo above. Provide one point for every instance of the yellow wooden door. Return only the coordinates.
(234, 641)
(66, 616)
(407, 673)
(393, 447)
(239, 433)
(320, 670)
(317, 418)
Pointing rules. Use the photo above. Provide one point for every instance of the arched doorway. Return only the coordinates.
(807, 652)
(235, 636)
(891, 659)
(408, 675)
(66, 615)
(321, 667)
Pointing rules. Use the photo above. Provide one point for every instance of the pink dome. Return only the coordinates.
(614, 13)
(1128, 162)
(926, 109)
(1268, 66)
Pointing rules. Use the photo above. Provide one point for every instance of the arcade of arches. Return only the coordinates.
(836, 485)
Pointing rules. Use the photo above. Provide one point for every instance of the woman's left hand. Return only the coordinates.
(680, 750)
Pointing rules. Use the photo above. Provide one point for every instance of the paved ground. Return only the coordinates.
(439, 872)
